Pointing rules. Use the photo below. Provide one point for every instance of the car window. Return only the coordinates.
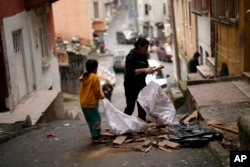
(159, 74)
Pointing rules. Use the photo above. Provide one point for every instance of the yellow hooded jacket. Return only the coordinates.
(90, 90)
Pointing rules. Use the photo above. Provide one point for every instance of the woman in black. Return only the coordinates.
(136, 70)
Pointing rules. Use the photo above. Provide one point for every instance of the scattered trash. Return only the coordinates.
(193, 134)
(51, 135)
(67, 124)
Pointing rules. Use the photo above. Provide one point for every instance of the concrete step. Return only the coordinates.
(177, 97)
(246, 75)
(195, 76)
(210, 62)
(32, 109)
(205, 71)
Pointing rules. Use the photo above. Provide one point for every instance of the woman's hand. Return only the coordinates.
(149, 70)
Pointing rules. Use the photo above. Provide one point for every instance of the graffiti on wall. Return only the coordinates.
(71, 73)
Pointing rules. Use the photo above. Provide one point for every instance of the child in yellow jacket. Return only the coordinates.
(90, 93)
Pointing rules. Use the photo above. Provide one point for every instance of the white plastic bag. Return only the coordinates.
(120, 123)
(156, 103)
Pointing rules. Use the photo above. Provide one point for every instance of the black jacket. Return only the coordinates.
(133, 62)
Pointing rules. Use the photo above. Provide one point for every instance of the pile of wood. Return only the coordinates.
(156, 136)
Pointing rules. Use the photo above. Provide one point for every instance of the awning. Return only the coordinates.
(99, 27)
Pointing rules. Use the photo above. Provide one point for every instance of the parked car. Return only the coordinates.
(126, 37)
(164, 53)
(119, 57)
(158, 76)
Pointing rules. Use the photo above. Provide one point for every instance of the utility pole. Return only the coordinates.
(177, 69)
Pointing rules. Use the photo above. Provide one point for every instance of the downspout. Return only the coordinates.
(176, 57)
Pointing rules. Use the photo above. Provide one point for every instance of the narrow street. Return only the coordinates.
(67, 143)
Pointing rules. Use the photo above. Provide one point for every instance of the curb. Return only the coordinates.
(220, 152)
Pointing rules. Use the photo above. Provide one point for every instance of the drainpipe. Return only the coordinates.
(176, 56)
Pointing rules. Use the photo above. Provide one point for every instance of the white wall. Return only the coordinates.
(204, 35)
(11, 24)
(37, 77)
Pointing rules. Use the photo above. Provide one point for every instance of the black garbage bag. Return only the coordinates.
(193, 134)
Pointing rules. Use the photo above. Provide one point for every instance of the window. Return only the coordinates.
(45, 36)
(146, 9)
(200, 7)
(17, 43)
(164, 9)
(188, 14)
(225, 10)
(96, 11)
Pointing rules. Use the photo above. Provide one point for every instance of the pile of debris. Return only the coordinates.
(190, 133)
(155, 137)
(166, 138)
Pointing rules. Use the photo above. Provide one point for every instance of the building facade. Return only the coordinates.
(82, 18)
(27, 46)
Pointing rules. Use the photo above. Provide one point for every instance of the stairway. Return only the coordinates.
(204, 71)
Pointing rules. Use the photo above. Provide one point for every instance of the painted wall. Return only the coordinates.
(186, 35)
(24, 69)
(233, 43)
(74, 19)
(204, 36)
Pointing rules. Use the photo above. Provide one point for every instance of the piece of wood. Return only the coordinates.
(162, 143)
(119, 139)
(147, 149)
(165, 149)
(147, 143)
(107, 134)
(226, 128)
(140, 139)
(193, 115)
(157, 68)
(165, 136)
(213, 122)
(155, 143)
(129, 140)
(173, 144)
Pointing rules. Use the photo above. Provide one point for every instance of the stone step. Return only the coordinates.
(195, 76)
(205, 71)
(246, 75)
(211, 61)
(177, 97)
(32, 109)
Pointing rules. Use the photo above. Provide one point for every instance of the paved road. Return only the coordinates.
(72, 147)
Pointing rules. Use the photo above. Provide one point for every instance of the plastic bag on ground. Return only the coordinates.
(193, 135)
(120, 123)
(157, 104)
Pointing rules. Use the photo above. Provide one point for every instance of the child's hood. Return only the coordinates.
(84, 79)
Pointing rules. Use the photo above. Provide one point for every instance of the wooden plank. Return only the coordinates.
(140, 139)
(155, 143)
(173, 144)
(193, 115)
(129, 140)
(213, 122)
(107, 134)
(147, 143)
(164, 149)
(119, 139)
(162, 143)
(226, 128)
(147, 149)
(165, 136)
